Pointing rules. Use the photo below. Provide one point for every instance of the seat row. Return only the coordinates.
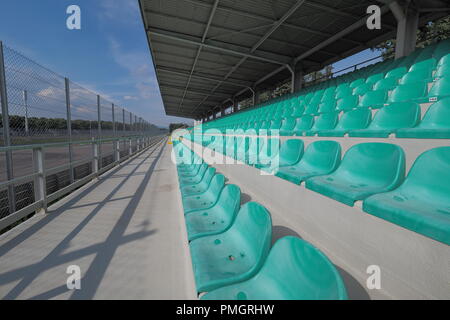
(230, 244)
(403, 80)
(370, 172)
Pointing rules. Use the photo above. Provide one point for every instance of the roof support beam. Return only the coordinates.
(260, 42)
(337, 36)
(262, 18)
(177, 72)
(199, 50)
(181, 38)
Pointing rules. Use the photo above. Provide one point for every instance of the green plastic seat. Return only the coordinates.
(290, 153)
(347, 103)
(320, 158)
(386, 84)
(427, 64)
(443, 70)
(185, 181)
(303, 124)
(287, 127)
(390, 119)
(235, 255)
(294, 270)
(325, 121)
(440, 89)
(206, 199)
(396, 73)
(200, 187)
(416, 91)
(374, 99)
(374, 78)
(419, 75)
(422, 202)
(217, 219)
(343, 91)
(434, 125)
(298, 110)
(366, 169)
(351, 120)
(357, 83)
(328, 106)
(362, 89)
(312, 108)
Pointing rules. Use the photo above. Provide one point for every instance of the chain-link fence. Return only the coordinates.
(38, 107)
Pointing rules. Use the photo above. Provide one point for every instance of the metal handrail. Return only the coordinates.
(41, 199)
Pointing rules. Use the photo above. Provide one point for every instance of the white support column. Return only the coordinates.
(40, 187)
(407, 24)
(297, 80)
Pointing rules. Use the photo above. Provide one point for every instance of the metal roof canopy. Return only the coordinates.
(208, 52)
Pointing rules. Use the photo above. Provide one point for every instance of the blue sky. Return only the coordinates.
(109, 55)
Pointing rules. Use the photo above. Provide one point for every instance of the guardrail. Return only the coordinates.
(38, 179)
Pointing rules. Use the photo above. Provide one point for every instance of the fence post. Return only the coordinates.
(69, 129)
(40, 185)
(95, 159)
(99, 132)
(6, 133)
(116, 142)
(25, 103)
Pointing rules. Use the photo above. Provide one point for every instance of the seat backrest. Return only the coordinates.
(420, 75)
(405, 92)
(357, 82)
(304, 122)
(374, 78)
(355, 119)
(323, 155)
(327, 106)
(373, 98)
(290, 152)
(397, 115)
(217, 184)
(311, 108)
(302, 271)
(288, 123)
(230, 200)
(362, 89)
(326, 121)
(438, 115)
(347, 103)
(253, 227)
(440, 87)
(430, 175)
(396, 73)
(380, 163)
(209, 174)
(386, 84)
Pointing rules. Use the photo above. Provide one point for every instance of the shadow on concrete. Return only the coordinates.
(279, 232)
(103, 251)
(355, 290)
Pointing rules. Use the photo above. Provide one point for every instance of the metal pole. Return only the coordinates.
(69, 129)
(40, 187)
(99, 128)
(116, 143)
(6, 133)
(25, 102)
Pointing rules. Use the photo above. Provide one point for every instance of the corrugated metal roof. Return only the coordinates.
(207, 51)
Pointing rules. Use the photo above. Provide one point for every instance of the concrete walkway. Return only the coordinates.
(126, 232)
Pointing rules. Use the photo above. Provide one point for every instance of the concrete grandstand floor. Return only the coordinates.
(126, 232)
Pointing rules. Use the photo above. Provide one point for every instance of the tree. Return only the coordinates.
(430, 33)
